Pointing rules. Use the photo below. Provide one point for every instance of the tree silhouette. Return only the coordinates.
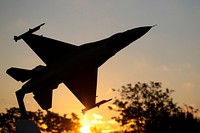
(95, 130)
(48, 123)
(146, 108)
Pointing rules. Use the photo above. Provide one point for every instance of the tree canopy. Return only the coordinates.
(147, 108)
(48, 122)
(143, 108)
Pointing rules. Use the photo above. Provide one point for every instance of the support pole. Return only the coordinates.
(20, 96)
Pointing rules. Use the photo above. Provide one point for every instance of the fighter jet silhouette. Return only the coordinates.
(75, 66)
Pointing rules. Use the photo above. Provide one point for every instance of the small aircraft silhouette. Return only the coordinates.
(75, 66)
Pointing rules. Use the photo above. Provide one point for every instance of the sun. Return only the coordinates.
(85, 129)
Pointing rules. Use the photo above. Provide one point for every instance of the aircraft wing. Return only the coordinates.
(49, 50)
(83, 86)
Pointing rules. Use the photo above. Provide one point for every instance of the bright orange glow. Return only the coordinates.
(92, 122)
(85, 129)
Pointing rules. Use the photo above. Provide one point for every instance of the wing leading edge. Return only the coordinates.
(49, 50)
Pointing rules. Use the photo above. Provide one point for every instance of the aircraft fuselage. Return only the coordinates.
(86, 57)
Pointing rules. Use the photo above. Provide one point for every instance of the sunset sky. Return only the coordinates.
(168, 53)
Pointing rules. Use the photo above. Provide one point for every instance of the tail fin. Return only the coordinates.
(20, 74)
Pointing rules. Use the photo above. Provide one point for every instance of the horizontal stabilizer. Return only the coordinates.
(20, 74)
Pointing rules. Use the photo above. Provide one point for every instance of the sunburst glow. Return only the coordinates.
(85, 129)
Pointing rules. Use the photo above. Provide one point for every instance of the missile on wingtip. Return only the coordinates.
(95, 105)
(30, 31)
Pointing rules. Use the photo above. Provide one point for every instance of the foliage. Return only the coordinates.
(49, 122)
(146, 108)
(95, 130)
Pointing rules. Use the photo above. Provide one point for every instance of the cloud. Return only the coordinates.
(96, 116)
(165, 68)
(188, 85)
(112, 122)
(98, 122)
(97, 119)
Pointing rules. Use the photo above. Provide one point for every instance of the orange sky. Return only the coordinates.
(169, 53)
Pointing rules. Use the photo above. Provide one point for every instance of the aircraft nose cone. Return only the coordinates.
(121, 40)
(136, 33)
